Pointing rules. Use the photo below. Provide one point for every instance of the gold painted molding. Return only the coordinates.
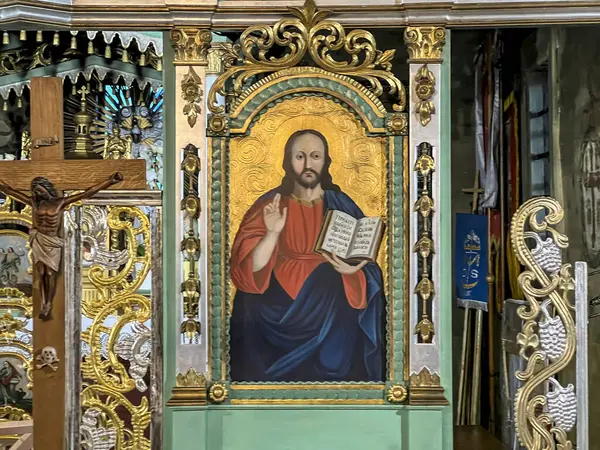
(191, 46)
(425, 44)
(190, 390)
(425, 389)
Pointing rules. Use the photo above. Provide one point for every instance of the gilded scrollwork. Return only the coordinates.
(118, 339)
(425, 43)
(310, 32)
(191, 45)
(548, 336)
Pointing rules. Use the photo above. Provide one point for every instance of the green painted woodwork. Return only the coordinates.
(446, 289)
(170, 241)
(307, 428)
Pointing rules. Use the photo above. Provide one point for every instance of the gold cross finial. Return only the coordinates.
(84, 91)
(474, 191)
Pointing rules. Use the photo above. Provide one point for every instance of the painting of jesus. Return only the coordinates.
(299, 315)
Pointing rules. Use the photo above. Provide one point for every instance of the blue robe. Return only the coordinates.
(316, 337)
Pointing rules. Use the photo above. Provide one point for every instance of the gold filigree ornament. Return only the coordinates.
(424, 90)
(191, 45)
(218, 393)
(396, 393)
(425, 43)
(191, 93)
(107, 382)
(544, 417)
(309, 32)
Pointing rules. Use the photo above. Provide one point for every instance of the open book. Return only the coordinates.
(350, 239)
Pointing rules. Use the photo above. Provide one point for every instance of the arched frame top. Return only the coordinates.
(298, 80)
(237, 123)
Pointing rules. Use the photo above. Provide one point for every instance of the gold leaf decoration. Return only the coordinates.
(425, 329)
(191, 45)
(191, 379)
(309, 32)
(107, 381)
(218, 393)
(424, 90)
(396, 393)
(425, 165)
(191, 92)
(548, 335)
(425, 43)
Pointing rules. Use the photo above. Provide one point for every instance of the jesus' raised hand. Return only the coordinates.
(273, 216)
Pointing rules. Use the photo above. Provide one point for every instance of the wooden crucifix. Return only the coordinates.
(47, 175)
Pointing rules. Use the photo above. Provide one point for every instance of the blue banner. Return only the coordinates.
(471, 261)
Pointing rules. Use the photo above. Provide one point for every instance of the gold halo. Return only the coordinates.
(307, 122)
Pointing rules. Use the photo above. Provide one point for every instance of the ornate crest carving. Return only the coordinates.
(548, 337)
(310, 32)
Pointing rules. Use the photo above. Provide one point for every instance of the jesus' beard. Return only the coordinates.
(308, 184)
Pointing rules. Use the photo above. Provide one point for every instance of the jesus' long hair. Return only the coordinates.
(46, 184)
(287, 183)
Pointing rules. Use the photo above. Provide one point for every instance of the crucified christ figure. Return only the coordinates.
(46, 244)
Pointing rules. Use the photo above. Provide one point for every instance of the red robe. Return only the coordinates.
(294, 257)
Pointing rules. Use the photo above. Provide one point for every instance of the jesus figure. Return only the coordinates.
(299, 315)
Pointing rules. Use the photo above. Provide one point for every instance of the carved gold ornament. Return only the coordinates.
(424, 90)
(191, 379)
(397, 124)
(425, 389)
(424, 247)
(191, 46)
(396, 393)
(309, 32)
(191, 327)
(190, 389)
(191, 93)
(220, 55)
(218, 393)
(217, 124)
(544, 416)
(108, 382)
(425, 43)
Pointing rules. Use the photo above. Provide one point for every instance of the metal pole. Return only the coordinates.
(476, 368)
(581, 354)
(463, 367)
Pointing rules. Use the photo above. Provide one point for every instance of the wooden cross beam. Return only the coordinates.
(47, 160)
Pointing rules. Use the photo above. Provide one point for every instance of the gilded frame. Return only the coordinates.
(368, 109)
